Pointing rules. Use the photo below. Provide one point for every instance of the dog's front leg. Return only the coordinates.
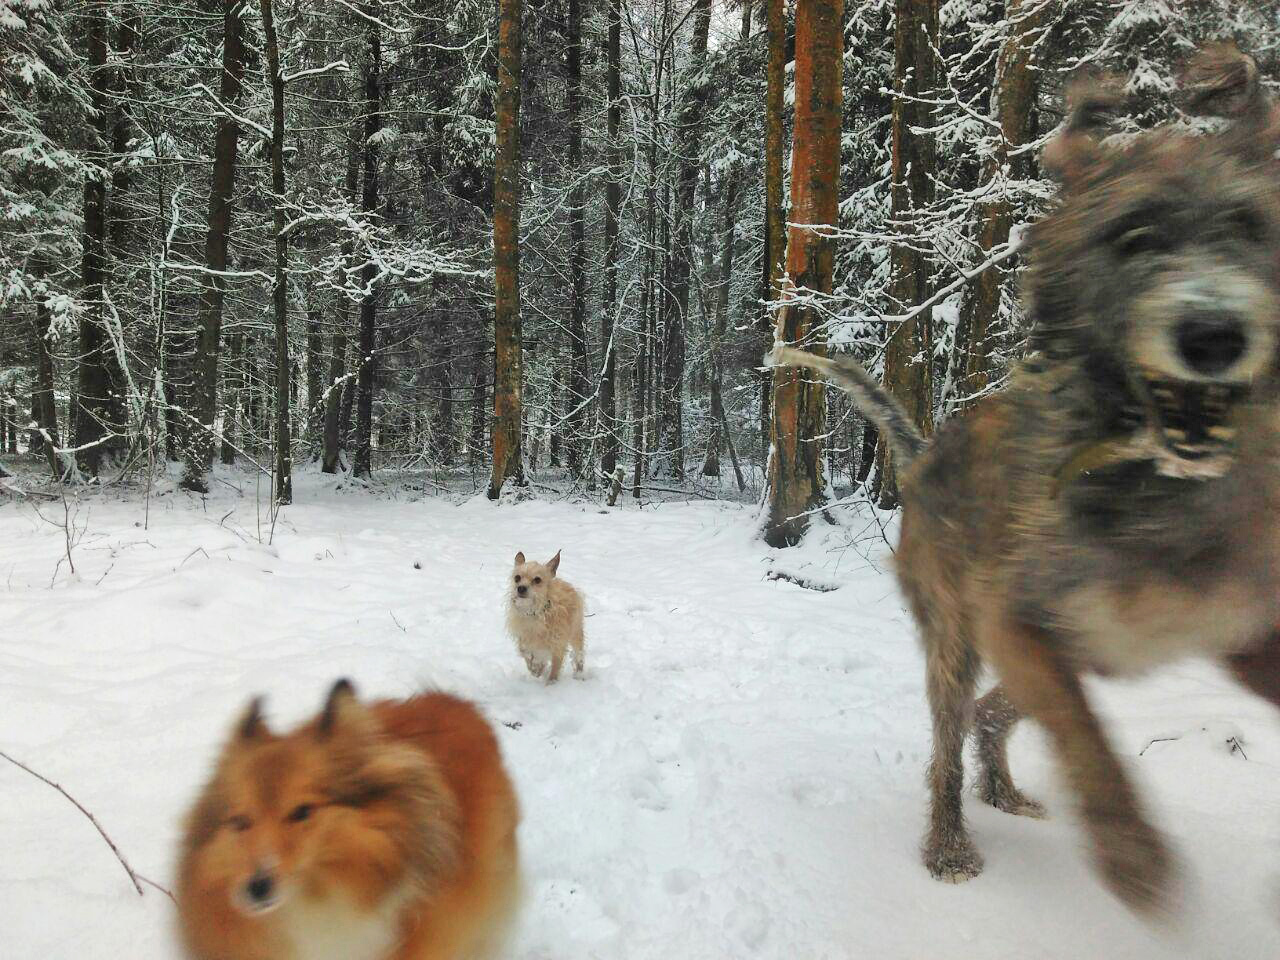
(532, 661)
(557, 660)
(1045, 686)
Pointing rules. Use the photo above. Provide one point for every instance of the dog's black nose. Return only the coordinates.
(260, 887)
(1211, 343)
(522, 589)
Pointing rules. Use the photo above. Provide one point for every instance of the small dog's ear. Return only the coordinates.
(554, 563)
(250, 726)
(1221, 80)
(1091, 102)
(519, 558)
(342, 711)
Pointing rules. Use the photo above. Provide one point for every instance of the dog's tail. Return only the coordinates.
(874, 401)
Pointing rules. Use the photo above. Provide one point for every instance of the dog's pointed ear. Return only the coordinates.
(519, 558)
(554, 563)
(1221, 80)
(251, 726)
(343, 711)
(1092, 100)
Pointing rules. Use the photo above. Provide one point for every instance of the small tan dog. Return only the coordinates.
(544, 615)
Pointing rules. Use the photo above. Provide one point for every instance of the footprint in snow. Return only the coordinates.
(815, 792)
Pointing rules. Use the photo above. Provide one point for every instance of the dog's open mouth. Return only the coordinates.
(1193, 419)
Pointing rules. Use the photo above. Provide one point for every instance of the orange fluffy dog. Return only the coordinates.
(380, 832)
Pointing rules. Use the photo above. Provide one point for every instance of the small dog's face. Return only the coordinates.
(530, 581)
(1161, 272)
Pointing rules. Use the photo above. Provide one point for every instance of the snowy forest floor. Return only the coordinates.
(741, 774)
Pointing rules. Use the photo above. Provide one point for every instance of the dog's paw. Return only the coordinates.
(955, 861)
(1136, 864)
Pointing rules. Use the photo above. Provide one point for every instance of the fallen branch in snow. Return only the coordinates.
(135, 878)
(690, 492)
(20, 494)
(1154, 740)
(821, 586)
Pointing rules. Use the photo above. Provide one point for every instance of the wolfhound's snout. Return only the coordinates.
(1208, 326)
(1211, 342)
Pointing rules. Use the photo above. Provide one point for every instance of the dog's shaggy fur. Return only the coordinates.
(1115, 507)
(544, 616)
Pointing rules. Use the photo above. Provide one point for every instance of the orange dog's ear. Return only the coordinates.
(1091, 100)
(554, 563)
(250, 726)
(519, 558)
(343, 712)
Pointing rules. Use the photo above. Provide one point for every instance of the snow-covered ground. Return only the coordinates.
(740, 775)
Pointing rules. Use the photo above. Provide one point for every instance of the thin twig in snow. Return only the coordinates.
(134, 878)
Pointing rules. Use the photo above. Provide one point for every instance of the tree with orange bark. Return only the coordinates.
(799, 403)
(507, 460)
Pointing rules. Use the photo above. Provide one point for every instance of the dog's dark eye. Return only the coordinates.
(299, 813)
(239, 823)
(517, 579)
(537, 579)
(1139, 240)
(1248, 225)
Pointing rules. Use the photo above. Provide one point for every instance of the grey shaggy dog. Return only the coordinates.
(1114, 508)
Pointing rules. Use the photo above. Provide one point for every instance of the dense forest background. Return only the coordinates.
(264, 232)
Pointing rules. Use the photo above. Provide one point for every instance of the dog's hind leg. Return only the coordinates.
(949, 853)
(994, 719)
(576, 651)
(1130, 852)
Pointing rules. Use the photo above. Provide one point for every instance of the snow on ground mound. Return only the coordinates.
(740, 774)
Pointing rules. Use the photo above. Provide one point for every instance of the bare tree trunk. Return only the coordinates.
(362, 465)
(280, 290)
(315, 381)
(200, 446)
(1013, 99)
(909, 350)
(44, 411)
(337, 411)
(577, 381)
(348, 409)
(442, 429)
(479, 400)
(612, 204)
(720, 430)
(99, 410)
(775, 237)
(796, 484)
(233, 400)
(333, 403)
(688, 145)
(508, 375)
